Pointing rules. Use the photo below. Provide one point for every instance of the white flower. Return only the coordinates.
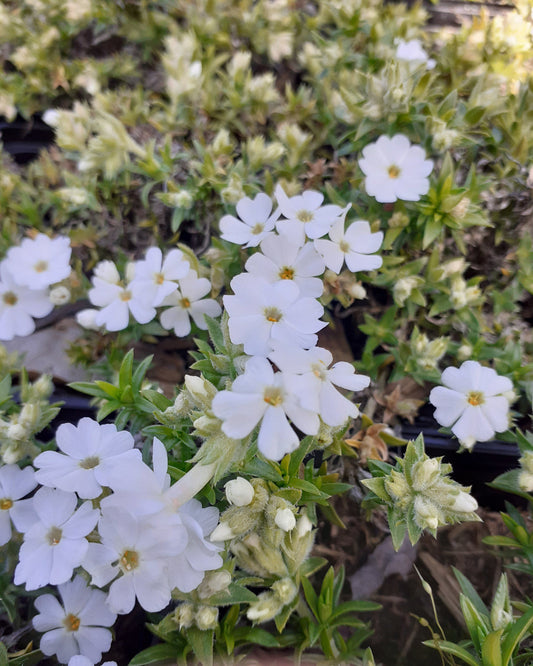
(256, 223)
(155, 278)
(239, 491)
(305, 214)
(18, 306)
(261, 314)
(89, 451)
(283, 258)
(55, 544)
(472, 402)
(79, 660)
(395, 169)
(115, 300)
(413, 53)
(188, 301)
(77, 626)
(14, 484)
(355, 246)
(309, 378)
(39, 262)
(260, 395)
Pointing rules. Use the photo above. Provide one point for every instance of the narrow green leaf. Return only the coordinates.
(261, 637)
(154, 655)
(126, 369)
(140, 372)
(491, 652)
(469, 591)
(202, 644)
(514, 636)
(310, 596)
(453, 649)
(109, 389)
(88, 388)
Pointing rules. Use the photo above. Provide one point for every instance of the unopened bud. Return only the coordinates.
(464, 503)
(206, 618)
(214, 582)
(222, 532)
(17, 432)
(239, 491)
(285, 519)
(304, 525)
(184, 615)
(59, 295)
(86, 319)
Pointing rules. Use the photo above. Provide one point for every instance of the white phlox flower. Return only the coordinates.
(116, 301)
(89, 453)
(80, 660)
(256, 223)
(188, 301)
(16, 483)
(78, 626)
(353, 246)
(155, 277)
(310, 377)
(55, 544)
(39, 262)
(395, 169)
(261, 396)
(18, 306)
(472, 402)
(284, 258)
(305, 215)
(261, 314)
(413, 53)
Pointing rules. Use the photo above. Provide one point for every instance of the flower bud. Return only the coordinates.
(86, 319)
(304, 525)
(43, 387)
(403, 288)
(464, 352)
(425, 473)
(59, 295)
(184, 615)
(357, 291)
(525, 481)
(426, 513)
(285, 519)
(222, 532)
(17, 432)
(214, 582)
(464, 503)
(206, 617)
(285, 590)
(239, 491)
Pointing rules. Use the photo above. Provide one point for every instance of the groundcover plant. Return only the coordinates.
(261, 180)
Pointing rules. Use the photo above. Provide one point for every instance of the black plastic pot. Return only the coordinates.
(24, 139)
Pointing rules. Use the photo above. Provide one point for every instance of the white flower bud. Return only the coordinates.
(426, 513)
(43, 387)
(206, 618)
(107, 271)
(464, 503)
(86, 319)
(464, 352)
(213, 582)
(357, 291)
(51, 117)
(29, 415)
(17, 432)
(222, 532)
(239, 491)
(425, 473)
(12, 455)
(184, 615)
(403, 288)
(59, 295)
(196, 387)
(501, 619)
(304, 525)
(525, 481)
(285, 519)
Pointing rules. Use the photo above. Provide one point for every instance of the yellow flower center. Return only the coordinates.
(10, 298)
(257, 229)
(304, 216)
(273, 396)
(5, 504)
(41, 266)
(394, 171)
(72, 622)
(125, 295)
(185, 303)
(319, 370)
(476, 398)
(54, 536)
(344, 246)
(90, 462)
(129, 560)
(272, 314)
(159, 278)
(286, 273)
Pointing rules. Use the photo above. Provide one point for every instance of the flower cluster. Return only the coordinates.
(26, 275)
(147, 537)
(155, 281)
(274, 313)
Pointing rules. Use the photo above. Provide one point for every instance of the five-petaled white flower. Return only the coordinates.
(116, 300)
(284, 258)
(311, 379)
(188, 301)
(472, 402)
(261, 314)
(90, 452)
(305, 215)
(155, 277)
(353, 246)
(15, 483)
(18, 306)
(39, 262)
(260, 395)
(55, 544)
(395, 169)
(256, 223)
(78, 626)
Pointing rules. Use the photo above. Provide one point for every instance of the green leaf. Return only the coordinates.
(87, 387)
(126, 369)
(491, 652)
(310, 596)
(261, 637)
(235, 594)
(469, 591)
(515, 634)
(202, 644)
(27, 659)
(140, 372)
(215, 333)
(155, 655)
(283, 616)
(476, 623)
(312, 565)
(3, 655)
(356, 606)
(453, 649)
(109, 389)
(338, 584)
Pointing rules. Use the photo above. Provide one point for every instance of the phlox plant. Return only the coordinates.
(250, 177)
